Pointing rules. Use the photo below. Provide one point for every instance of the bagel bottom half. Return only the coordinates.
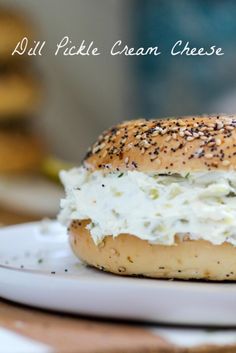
(129, 255)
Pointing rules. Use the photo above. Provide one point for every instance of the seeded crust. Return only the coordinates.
(19, 151)
(186, 144)
(130, 256)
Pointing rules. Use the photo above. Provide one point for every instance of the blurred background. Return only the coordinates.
(57, 106)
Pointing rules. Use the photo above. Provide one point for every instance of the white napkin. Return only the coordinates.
(11, 342)
(194, 337)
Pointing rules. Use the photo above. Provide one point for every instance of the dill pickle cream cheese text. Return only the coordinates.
(152, 207)
(67, 47)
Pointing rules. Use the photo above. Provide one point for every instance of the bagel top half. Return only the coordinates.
(189, 144)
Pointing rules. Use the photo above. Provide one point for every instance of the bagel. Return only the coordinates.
(157, 198)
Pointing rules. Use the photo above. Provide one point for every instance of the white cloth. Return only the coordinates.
(11, 342)
(196, 337)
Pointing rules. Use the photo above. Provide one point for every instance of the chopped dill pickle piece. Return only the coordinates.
(116, 192)
(175, 191)
(159, 228)
(231, 194)
(182, 220)
(146, 224)
(115, 213)
(154, 194)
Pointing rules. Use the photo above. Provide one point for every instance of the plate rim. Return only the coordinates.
(162, 283)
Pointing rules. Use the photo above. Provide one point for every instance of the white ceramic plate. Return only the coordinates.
(37, 268)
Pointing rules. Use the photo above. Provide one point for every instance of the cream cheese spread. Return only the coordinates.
(151, 206)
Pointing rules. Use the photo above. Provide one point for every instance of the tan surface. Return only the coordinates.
(19, 151)
(19, 95)
(175, 146)
(13, 27)
(9, 217)
(129, 255)
(68, 334)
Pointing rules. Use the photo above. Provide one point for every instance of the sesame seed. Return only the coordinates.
(229, 127)
(146, 144)
(164, 131)
(190, 138)
(219, 125)
(209, 155)
(188, 133)
(96, 149)
(155, 133)
(129, 146)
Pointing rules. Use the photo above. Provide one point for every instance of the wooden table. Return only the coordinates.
(73, 334)
(66, 333)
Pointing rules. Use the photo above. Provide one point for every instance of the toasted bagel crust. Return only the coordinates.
(188, 144)
(129, 255)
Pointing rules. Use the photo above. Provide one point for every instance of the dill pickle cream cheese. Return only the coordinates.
(157, 198)
(153, 207)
